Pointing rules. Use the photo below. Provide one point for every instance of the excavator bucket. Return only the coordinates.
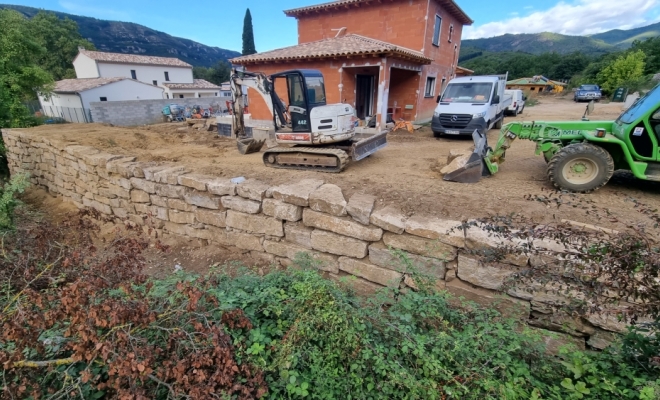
(247, 146)
(474, 167)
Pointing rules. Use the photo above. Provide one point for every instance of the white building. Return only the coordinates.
(174, 76)
(71, 97)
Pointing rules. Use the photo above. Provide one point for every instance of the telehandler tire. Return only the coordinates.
(580, 168)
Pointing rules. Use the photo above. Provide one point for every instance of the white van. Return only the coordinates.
(517, 101)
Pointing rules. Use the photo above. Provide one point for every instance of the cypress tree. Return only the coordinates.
(248, 35)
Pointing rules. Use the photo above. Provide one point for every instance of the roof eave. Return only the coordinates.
(421, 60)
(149, 64)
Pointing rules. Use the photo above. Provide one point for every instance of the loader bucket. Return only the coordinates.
(475, 167)
(247, 146)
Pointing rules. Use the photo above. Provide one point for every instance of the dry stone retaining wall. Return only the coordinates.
(347, 236)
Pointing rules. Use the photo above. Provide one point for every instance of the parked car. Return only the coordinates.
(518, 99)
(588, 93)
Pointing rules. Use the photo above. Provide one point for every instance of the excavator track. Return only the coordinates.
(307, 159)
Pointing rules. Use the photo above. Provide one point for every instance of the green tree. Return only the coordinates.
(650, 47)
(20, 76)
(216, 74)
(628, 67)
(248, 35)
(61, 39)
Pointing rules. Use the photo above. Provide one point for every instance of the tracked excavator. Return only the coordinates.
(310, 134)
(581, 155)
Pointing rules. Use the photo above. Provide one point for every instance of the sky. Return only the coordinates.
(220, 23)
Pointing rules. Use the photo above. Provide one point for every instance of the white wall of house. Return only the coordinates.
(187, 93)
(85, 67)
(122, 90)
(70, 100)
(147, 73)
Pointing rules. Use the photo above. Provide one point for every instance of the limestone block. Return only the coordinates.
(100, 207)
(358, 285)
(140, 196)
(100, 159)
(254, 223)
(159, 201)
(244, 241)
(490, 276)
(602, 339)
(240, 204)
(203, 199)
(128, 170)
(328, 199)
(360, 207)
(210, 233)
(150, 171)
(252, 189)
(445, 231)
(421, 246)
(479, 237)
(337, 244)
(169, 175)
(261, 258)
(195, 181)
(176, 229)
(297, 193)
(175, 192)
(119, 191)
(144, 209)
(554, 341)
(120, 166)
(79, 151)
(121, 182)
(380, 255)
(505, 305)
(390, 219)
(298, 234)
(562, 322)
(144, 185)
(281, 210)
(180, 205)
(326, 262)
(221, 187)
(181, 217)
(342, 226)
(103, 191)
(161, 213)
(370, 272)
(208, 217)
(120, 212)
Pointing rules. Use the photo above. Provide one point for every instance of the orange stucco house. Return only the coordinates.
(381, 56)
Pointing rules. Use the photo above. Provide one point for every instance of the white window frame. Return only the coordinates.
(430, 93)
(437, 26)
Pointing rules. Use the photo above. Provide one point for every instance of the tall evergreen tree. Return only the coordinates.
(248, 35)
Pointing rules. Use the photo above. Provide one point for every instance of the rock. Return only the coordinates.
(372, 273)
(203, 199)
(175, 192)
(328, 199)
(359, 286)
(139, 196)
(486, 276)
(298, 234)
(159, 201)
(297, 193)
(254, 223)
(342, 226)
(281, 210)
(479, 237)
(180, 205)
(240, 204)
(208, 217)
(601, 339)
(455, 153)
(383, 257)
(181, 217)
(420, 246)
(144, 185)
(505, 305)
(554, 341)
(446, 231)
(100, 207)
(360, 206)
(390, 219)
(326, 262)
(244, 241)
(221, 187)
(169, 175)
(336, 244)
(561, 322)
(456, 164)
(150, 171)
(195, 181)
(252, 189)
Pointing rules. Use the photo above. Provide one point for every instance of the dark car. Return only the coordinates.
(588, 93)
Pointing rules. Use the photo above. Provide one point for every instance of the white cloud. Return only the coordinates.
(582, 17)
(98, 12)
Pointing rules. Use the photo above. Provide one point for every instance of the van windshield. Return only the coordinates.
(469, 92)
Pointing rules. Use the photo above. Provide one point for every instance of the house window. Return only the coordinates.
(436, 30)
(442, 84)
(216, 94)
(167, 76)
(199, 95)
(155, 83)
(451, 32)
(133, 74)
(104, 99)
(430, 87)
(181, 96)
(168, 95)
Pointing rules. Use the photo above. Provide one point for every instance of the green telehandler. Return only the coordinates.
(581, 155)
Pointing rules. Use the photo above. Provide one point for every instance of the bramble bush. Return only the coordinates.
(81, 321)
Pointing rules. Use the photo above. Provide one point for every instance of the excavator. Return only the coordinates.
(581, 155)
(310, 134)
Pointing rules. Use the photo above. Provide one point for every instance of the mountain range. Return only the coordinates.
(131, 38)
(538, 43)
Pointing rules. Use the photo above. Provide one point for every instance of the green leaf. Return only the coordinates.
(568, 384)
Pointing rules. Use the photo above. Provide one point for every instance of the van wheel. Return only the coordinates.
(581, 168)
(515, 113)
(521, 111)
(498, 124)
(437, 134)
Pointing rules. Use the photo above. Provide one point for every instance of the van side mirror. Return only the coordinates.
(437, 100)
(496, 99)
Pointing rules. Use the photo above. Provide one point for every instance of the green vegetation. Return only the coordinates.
(248, 35)
(217, 74)
(625, 38)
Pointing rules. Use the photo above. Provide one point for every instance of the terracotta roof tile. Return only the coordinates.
(80, 85)
(134, 59)
(450, 5)
(197, 84)
(335, 47)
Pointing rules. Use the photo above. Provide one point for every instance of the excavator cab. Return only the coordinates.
(306, 90)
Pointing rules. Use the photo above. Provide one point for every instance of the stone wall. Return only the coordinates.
(144, 112)
(274, 223)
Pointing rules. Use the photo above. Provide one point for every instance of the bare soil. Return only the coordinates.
(406, 172)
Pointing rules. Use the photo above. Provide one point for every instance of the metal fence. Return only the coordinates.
(54, 114)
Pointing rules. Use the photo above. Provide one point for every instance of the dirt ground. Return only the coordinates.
(406, 172)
